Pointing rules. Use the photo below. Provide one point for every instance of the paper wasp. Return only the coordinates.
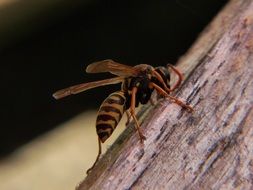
(138, 83)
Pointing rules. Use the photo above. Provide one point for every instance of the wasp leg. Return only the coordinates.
(99, 153)
(128, 117)
(132, 111)
(159, 77)
(179, 74)
(177, 101)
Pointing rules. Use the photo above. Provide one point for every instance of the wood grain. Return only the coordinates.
(211, 148)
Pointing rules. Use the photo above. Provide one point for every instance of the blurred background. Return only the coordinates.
(45, 46)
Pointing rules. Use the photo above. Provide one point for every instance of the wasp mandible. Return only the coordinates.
(138, 83)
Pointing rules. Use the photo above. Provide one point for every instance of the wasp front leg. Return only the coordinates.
(165, 94)
(132, 112)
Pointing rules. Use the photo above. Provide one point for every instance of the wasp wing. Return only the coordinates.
(113, 67)
(85, 86)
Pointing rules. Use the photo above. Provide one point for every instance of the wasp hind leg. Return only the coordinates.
(132, 112)
(98, 156)
(165, 94)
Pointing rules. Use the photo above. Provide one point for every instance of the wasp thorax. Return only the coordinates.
(145, 69)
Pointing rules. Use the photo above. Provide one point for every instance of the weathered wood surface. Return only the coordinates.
(211, 148)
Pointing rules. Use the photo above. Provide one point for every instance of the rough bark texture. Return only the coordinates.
(211, 148)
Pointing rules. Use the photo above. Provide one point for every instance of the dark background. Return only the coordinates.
(46, 46)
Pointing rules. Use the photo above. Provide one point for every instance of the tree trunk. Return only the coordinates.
(211, 148)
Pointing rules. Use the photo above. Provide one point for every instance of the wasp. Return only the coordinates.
(137, 85)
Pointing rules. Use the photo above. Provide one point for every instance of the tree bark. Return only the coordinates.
(211, 148)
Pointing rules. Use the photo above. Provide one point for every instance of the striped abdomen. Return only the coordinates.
(165, 74)
(109, 114)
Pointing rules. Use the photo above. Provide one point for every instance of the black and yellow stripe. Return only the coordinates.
(109, 114)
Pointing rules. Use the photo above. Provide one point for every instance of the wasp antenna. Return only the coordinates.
(179, 74)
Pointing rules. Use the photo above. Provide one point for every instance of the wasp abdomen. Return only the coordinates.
(109, 114)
